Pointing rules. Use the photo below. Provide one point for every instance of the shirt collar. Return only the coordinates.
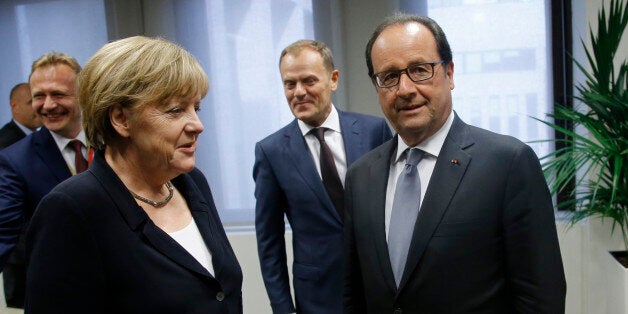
(433, 144)
(62, 142)
(332, 122)
(24, 129)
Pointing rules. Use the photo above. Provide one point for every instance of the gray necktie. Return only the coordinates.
(405, 210)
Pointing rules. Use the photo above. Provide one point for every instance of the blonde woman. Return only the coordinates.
(138, 232)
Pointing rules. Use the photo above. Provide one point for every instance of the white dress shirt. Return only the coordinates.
(333, 138)
(431, 146)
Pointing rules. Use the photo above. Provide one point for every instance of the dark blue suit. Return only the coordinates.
(287, 183)
(10, 133)
(29, 169)
(92, 249)
(484, 241)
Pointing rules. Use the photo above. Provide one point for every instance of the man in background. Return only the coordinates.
(445, 217)
(25, 119)
(31, 167)
(299, 173)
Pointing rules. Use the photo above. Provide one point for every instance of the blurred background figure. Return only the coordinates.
(32, 166)
(25, 120)
(138, 232)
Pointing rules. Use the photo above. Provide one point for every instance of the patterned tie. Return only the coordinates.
(331, 180)
(80, 163)
(405, 210)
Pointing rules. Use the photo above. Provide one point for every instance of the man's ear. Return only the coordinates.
(449, 71)
(334, 79)
(119, 120)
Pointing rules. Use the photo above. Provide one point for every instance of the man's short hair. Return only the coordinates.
(54, 58)
(320, 47)
(442, 45)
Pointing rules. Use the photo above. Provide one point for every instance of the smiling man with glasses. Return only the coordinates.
(445, 217)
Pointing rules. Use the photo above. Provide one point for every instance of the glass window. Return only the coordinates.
(239, 46)
(31, 28)
(502, 77)
(502, 65)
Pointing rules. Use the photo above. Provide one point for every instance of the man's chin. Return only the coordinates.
(303, 115)
(54, 126)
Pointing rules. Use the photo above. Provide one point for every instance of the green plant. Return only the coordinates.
(596, 159)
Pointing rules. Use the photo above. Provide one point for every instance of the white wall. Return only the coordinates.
(253, 291)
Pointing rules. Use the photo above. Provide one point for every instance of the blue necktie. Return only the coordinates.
(405, 210)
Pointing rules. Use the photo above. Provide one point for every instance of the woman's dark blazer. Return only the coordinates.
(92, 249)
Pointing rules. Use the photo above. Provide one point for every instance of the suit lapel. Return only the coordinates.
(296, 149)
(46, 149)
(14, 131)
(201, 209)
(442, 187)
(351, 136)
(171, 248)
(138, 220)
(378, 178)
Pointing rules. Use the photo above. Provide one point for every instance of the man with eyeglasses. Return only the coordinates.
(445, 217)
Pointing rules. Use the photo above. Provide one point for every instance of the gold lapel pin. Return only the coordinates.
(454, 161)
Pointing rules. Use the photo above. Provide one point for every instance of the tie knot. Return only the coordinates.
(319, 133)
(413, 156)
(76, 145)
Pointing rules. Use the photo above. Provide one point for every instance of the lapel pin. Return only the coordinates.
(454, 161)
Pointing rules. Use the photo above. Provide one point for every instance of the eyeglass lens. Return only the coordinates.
(416, 72)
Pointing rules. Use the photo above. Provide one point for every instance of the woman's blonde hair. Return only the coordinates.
(133, 72)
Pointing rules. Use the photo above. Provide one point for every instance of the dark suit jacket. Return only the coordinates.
(484, 241)
(287, 183)
(29, 169)
(92, 249)
(10, 133)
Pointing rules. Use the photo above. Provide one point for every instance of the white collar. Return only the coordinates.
(431, 145)
(62, 141)
(332, 122)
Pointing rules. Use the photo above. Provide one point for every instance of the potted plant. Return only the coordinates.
(597, 158)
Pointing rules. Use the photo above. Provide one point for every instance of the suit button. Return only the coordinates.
(220, 296)
(398, 311)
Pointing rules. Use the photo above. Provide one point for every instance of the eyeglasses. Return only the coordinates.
(416, 72)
